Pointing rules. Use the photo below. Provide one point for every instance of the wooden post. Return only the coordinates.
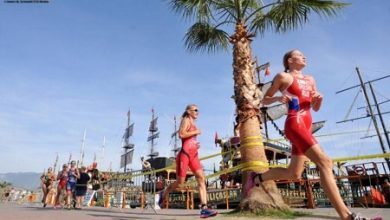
(107, 200)
(227, 199)
(142, 200)
(187, 198)
(123, 200)
(192, 199)
(167, 203)
(309, 195)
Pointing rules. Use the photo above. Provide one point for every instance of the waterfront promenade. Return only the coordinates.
(14, 211)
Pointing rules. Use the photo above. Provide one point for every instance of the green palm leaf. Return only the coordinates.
(291, 14)
(203, 37)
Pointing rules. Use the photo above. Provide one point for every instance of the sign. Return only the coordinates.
(88, 197)
(177, 200)
(215, 197)
(219, 196)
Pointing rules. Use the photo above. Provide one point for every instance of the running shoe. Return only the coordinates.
(357, 216)
(205, 213)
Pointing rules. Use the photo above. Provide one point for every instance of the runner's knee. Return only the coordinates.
(200, 179)
(294, 173)
(325, 163)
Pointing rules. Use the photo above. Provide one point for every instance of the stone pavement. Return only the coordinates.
(14, 211)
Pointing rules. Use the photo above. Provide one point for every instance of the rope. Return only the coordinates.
(251, 165)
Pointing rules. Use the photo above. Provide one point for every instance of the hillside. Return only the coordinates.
(26, 180)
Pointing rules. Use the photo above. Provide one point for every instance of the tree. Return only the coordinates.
(250, 17)
(5, 184)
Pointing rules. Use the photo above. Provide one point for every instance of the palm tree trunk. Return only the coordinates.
(247, 97)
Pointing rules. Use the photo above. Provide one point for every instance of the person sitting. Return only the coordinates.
(146, 167)
(386, 190)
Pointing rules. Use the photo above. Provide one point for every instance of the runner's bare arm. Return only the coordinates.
(184, 127)
(317, 97)
(269, 97)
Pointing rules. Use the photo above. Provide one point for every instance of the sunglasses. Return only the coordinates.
(195, 110)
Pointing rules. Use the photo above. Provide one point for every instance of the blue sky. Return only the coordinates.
(66, 66)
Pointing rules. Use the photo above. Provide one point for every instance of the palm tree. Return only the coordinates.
(250, 17)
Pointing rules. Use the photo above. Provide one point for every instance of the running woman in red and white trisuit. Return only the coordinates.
(300, 93)
(188, 157)
(62, 178)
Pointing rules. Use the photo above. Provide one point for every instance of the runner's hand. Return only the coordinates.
(316, 96)
(284, 99)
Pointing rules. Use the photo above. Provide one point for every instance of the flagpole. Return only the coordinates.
(55, 164)
(82, 147)
(102, 156)
(70, 158)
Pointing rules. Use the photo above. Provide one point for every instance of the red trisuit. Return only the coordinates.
(298, 122)
(188, 155)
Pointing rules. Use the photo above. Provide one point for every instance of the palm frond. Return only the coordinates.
(193, 9)
(291, 14)
(249, 5)
(204, 37)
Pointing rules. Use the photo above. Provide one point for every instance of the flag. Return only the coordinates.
(216, 139)
(267, 71)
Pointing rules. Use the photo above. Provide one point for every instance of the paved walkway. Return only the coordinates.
(35, 212)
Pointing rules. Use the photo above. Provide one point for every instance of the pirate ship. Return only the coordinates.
(361, 184)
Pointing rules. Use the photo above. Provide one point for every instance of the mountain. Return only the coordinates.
(26, 180)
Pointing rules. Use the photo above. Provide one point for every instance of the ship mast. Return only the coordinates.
(176, 148)
(128, 147)
(153, 134)
(55, 164)
(371, 112)
(82, 147)
(102, 155)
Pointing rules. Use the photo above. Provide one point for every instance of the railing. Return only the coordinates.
(134, 189)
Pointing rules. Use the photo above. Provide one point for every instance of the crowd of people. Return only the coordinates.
(70, 185)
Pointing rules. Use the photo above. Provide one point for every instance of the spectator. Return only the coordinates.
(386, 190)
(81, 187)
